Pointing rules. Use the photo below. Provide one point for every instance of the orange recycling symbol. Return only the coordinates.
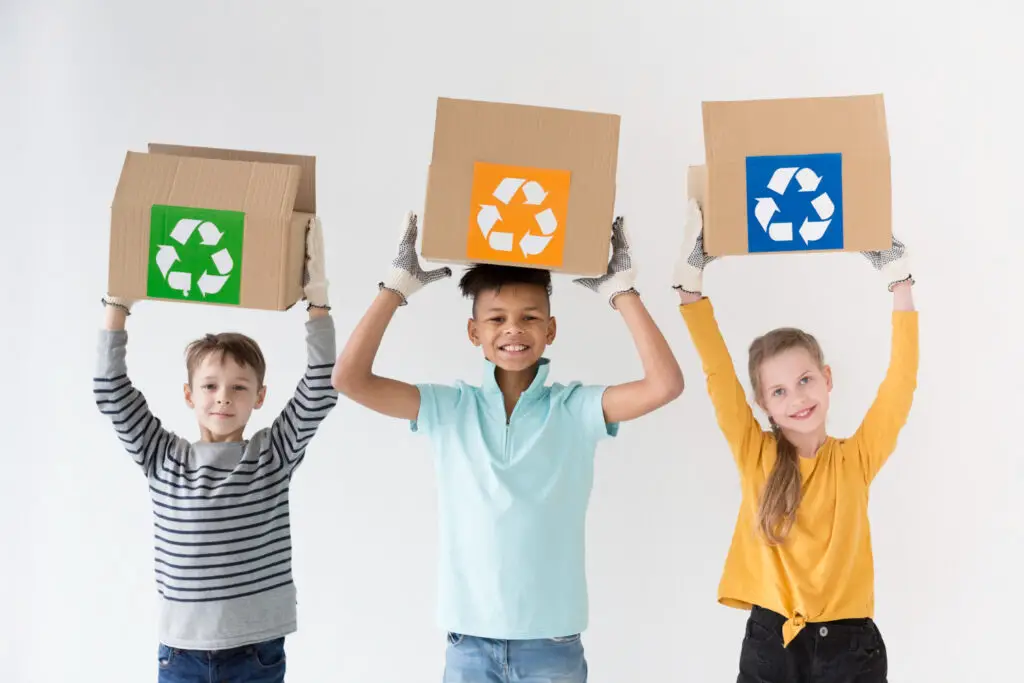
(518, 214)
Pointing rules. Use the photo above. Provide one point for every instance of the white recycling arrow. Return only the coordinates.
(507, 189)
(764, 210)
(823, 205)
(500, 241)
(487, 217)
(781, 232)
(780, 180)
(180, 281)
(166, 256)
(812, 231)
(533, 244)
(222, 259)
(808, 180)
(534, 192)
(546, 221)
(211, 284)
(210, 234)
(183, 230)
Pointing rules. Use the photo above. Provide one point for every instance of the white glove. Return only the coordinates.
(893, 263)
(688, 274)
(406, 276)
(314, 288)
(120, 302)
(621, 275)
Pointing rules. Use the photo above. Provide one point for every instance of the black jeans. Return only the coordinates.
(842, 651)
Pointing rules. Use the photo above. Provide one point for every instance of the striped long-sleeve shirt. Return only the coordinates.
(222, 535)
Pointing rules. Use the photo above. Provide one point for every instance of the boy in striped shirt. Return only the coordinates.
(220, 505)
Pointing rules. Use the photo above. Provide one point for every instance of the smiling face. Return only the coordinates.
(225, 384)
(513, 325)
(223, 395)
(791, 381)
(795, 391)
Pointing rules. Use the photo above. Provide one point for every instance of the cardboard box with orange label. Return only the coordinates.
(794, 175)
(214, 226)
(521, 185)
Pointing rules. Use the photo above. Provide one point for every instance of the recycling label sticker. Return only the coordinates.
(195, 254)
(794, 203)
(518, 214)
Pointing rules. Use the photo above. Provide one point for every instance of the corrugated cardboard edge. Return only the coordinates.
(697, 184)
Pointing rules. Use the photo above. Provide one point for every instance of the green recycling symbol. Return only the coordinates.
(195, 254)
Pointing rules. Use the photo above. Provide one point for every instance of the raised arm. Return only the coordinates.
(314, 397)
(353, 373)
(875, 439)
(141, 433)
(663, 380)
(732, 411)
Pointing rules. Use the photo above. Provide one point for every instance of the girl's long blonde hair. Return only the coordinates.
(782, 492)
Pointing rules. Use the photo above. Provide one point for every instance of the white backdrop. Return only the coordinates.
(80, 83)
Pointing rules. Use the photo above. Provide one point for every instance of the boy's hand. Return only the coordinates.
(406, 276)
(621, 275)
(688, 275)
(314, 280)
(893, 263)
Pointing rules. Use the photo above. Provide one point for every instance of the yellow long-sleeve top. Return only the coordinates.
(824, 569)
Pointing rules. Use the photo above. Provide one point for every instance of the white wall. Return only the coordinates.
(356, 85)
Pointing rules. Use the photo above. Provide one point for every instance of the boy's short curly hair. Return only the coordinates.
(484, 277)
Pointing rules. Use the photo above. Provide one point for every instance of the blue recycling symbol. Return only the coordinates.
(794, 203)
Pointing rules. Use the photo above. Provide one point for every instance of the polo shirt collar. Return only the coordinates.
(490, 382)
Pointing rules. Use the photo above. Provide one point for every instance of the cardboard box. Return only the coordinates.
(521, 185)
(215, 226)
(795, 175)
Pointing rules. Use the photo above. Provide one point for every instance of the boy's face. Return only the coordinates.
(223, 395)
(513, 325)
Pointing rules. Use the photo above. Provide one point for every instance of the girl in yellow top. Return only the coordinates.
(800, 558)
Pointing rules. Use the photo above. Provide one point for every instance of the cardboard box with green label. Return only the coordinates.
(214, 226)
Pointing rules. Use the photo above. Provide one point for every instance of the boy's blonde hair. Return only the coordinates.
(240, 348)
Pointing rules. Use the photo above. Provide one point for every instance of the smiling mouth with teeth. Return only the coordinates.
(805, 413)
(513, 348)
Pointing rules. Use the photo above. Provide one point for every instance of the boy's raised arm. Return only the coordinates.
(314, 396)
(141, 433)
(663, 380)
(353, 373)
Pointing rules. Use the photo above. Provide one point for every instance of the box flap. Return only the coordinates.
(253, 187)
(305, 199)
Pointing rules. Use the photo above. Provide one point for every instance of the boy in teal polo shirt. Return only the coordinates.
(514, 459)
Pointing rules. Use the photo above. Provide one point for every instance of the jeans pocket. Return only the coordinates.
(165, 656)
(454, 638)
(759, 633)
(566, 639)
(270, 654)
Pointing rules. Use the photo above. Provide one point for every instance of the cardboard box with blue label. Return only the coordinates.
(213, 226)
(794, 175)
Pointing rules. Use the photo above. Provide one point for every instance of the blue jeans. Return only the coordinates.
(484, 660)
(258, 663)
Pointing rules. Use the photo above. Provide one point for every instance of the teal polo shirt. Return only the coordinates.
(512, 502)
